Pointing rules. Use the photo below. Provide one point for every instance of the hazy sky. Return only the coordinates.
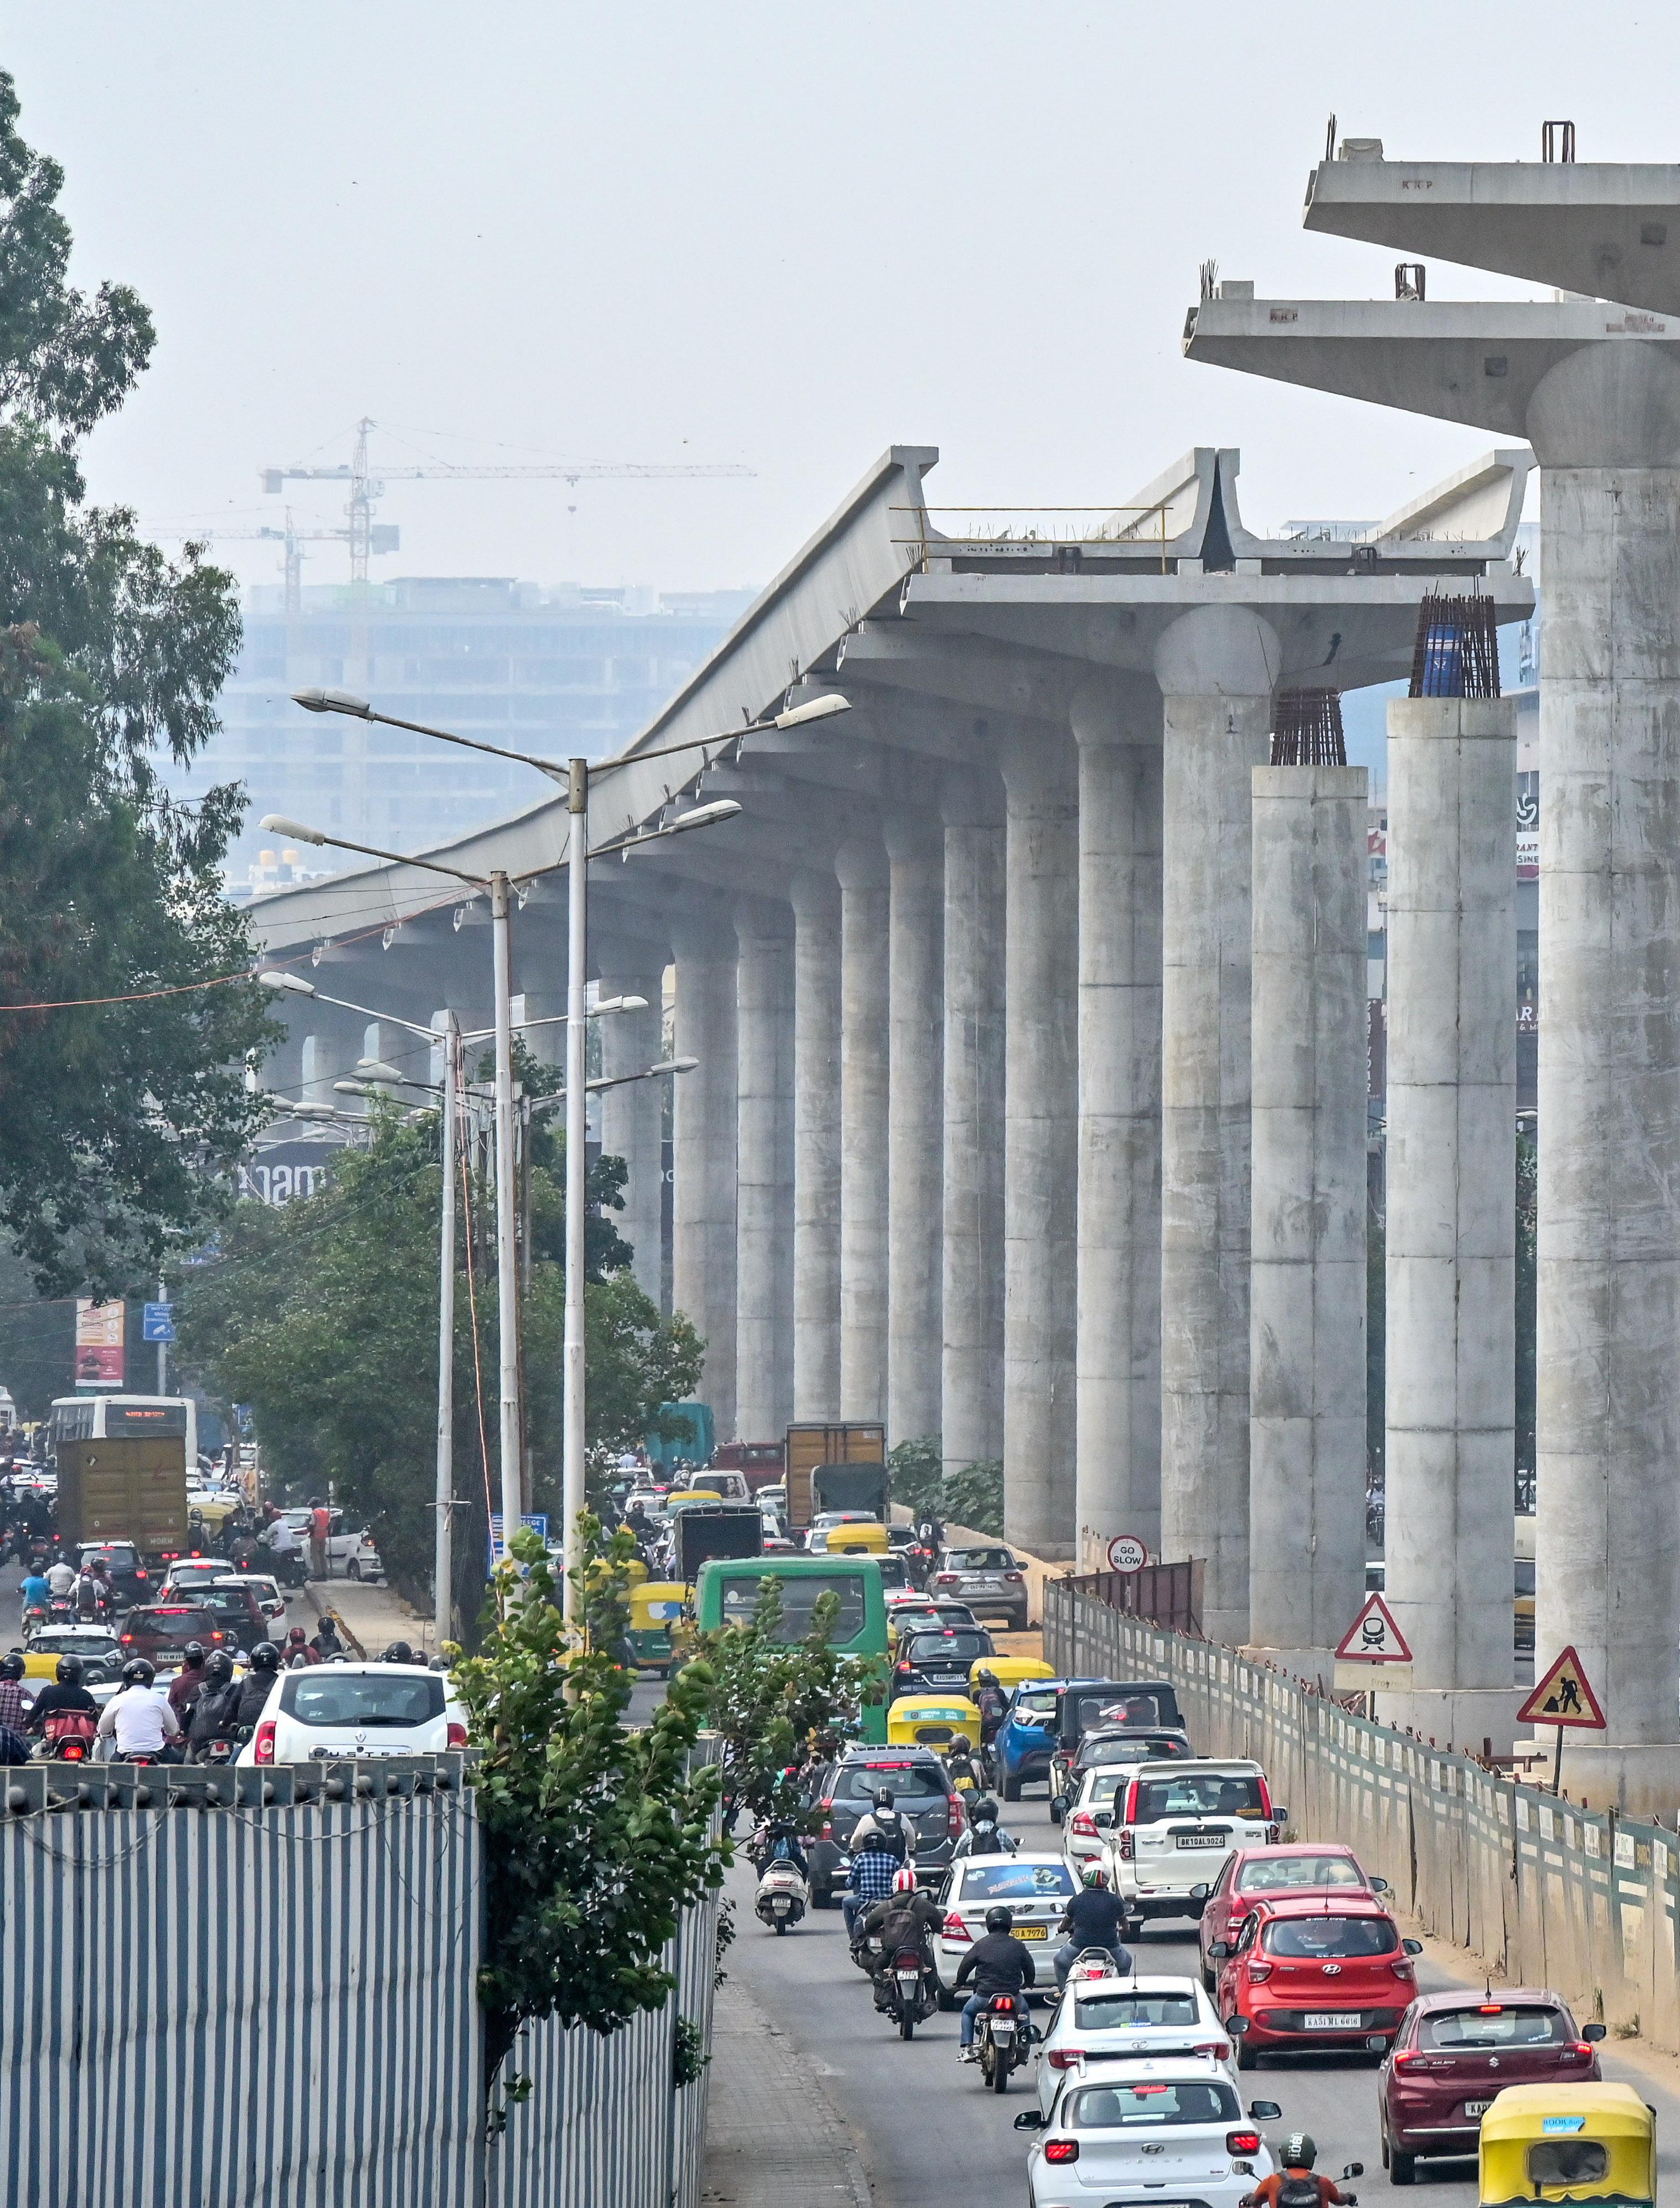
(785, 235)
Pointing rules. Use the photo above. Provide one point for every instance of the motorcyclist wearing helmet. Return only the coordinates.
(188, 1684)
(990, 1700)
(14, 1704)
(398, 1652)
(870, 1878)
(298, 1649)
(892, 1825)
(999, 1963)
(262, 1668)
(984, 1835)
(907, 1918)
(1294, 2183)
(139, 1720)
(1092, 1918)
(212, 1712)
(68, 1693)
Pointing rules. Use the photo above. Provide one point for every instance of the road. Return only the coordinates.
(930, 2133)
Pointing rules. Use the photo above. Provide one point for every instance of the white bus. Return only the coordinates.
(96, 1418)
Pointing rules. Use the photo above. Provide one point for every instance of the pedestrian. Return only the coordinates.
(321, 1524)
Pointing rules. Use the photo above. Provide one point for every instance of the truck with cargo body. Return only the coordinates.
(126, 1487)
(827, 1466)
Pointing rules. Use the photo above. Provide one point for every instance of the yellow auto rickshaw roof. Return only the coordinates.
(659, 1591)
(914, 1707)
(1611, 2112)
(689, 1495)
(1011, 1670)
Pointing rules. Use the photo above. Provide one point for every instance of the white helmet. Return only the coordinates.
(903, 1881)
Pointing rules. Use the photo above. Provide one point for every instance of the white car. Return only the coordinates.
(337, 1713)
(1104, 2018)
(267, 1590)
(345, 1545)
(1168, 2130)
(1086, 1827)
(1035, 1888)
(1174, 1825)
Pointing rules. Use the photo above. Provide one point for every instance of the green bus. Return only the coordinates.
(727, 1593)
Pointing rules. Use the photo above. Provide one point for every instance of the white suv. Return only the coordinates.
(339, 1712)
(1175, 1823)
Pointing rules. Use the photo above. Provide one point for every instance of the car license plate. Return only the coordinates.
(1476, 2108)
(1332, 2020)
(988, 1586)
(350, 1754)
(1201, 1839)
(1032, 1932)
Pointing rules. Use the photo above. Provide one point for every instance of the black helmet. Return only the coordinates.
(11, 1667)
(137, 1672)
(984, 1812)
(265, 1657)
(884, 1798)
(985, 1678)
(999, 1920)
(219, 1667)
(193, 1653)
(398, 1652)
(877, 1841)
(70, 1670)
(1300, 2151)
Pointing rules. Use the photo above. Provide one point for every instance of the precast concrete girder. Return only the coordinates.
(901, 655)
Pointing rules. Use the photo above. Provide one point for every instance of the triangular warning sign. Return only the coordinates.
(1373, 1637)
(1564, 1697)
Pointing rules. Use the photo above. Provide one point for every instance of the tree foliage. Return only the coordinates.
(597, 1838)
(775, 1702)
(972, 1497)
(113, 1116)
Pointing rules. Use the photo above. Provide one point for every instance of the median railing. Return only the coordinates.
(1542, 1891)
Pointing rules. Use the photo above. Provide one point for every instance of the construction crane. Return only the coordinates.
(366, 486)
(385, 539)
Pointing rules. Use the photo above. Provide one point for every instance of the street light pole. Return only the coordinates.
(508, 1276)
(577, 1164)
(443, 1569)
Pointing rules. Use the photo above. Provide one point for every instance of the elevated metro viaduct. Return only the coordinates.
(970, 983)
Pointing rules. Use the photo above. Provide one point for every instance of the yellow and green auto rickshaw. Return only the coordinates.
(1585, 2144)
(1010, 1672)
(945, 1722)
(655, 1605)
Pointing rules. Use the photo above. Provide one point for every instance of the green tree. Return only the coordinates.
(972, 1495)
(597, 1838)
(114, 1116)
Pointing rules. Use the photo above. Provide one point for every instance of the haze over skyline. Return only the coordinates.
(752, 235)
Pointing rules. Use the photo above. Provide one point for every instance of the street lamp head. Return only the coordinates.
(704, 816)
(332, 701)
(622, 1005)
(276, 824)
(313, 1111)
(674, 1065)
(293, 982)
(376, 1069)
(350, 1089)
(818, 709)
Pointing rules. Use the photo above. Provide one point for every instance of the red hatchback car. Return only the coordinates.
(1315, 1972)
(1456, 2051)
(1290, 1869)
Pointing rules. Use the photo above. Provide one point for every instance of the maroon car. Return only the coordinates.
(161, 1631)
(1454, 2052)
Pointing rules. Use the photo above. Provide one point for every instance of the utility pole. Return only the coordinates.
(443, 1578)
(507, 1275)
(163, 1348)
(577, 1158)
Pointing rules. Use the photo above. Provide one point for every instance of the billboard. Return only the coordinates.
(99, 1345)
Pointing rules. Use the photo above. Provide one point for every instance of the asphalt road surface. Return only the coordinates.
(932, 2135)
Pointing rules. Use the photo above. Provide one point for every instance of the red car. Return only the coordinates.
(1292, 1868)
(161, 1632)
(1317, 1972)
(1455, 2052)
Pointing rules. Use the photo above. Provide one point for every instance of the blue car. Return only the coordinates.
(1026, 1739)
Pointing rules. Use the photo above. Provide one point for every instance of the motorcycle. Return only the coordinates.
(69, 1737)
(1002, 2033)
(866, 1953)
(783, 1896)
(908, 1992)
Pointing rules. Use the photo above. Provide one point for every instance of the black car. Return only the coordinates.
(844, 1792)
(1108, 1706)
(1111, 1744)
(936, 1658)
(238, 1614)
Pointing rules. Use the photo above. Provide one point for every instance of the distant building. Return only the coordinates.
(558, 671)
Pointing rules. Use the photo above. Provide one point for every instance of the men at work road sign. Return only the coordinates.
(1564, 1697)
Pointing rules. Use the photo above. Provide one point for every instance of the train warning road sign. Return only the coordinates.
(1373, 1637)
(1126, 1553)
(1564, 1697)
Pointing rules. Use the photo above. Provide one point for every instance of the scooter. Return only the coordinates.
(783, 1896)
(1002, 2033)
(908, 1992)
(69, 1736)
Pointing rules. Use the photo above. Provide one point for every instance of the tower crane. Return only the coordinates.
(367, 485)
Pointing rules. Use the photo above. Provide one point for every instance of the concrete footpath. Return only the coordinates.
(376, 1615)
(773, 2137)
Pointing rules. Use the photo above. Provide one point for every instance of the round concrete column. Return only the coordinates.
(703, 1202)
(1217, 667)
(816, 1282)
(915, 1127)
(861, 866)
(1118, 1452)
(1452, 1210)
(1041, 1139)
(633, 1117)
(1307, 1286)
(1606, 428)
(972, 1301)
(765, 1230)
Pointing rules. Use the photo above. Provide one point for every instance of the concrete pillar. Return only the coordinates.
(1451, 1210)
(862, 866)
(1217, 667)
(971, 1299)
(1608, 1543)
(1307, 1285)
(1117, 1446)
(915, 1126)
(633, 1117)
(764, 1229)
(816, 1282)
(1040, 1143)
(703, 1236)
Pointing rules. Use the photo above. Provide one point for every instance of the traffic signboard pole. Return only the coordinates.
(163, 1348)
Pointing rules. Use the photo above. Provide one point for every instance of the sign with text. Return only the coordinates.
(98, 1344)
(157, 1322)
(1126, 1553)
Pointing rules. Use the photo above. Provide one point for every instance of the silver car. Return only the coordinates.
(989, 1579)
